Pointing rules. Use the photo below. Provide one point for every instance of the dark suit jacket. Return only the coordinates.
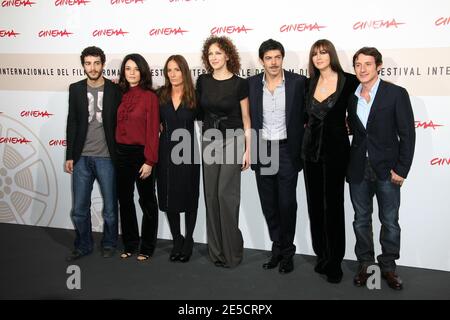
(389, 138)
(295, 101)
(77, 118)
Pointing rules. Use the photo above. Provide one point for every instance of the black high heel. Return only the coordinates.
(186, 252)
(178, 243)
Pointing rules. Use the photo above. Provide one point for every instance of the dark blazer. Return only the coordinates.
(326, 135)
(77, 118)
(295, 103)
(389, 138)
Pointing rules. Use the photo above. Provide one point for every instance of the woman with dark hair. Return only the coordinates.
(137, 137)
(178, 179)
(325, 150)
(223, 97)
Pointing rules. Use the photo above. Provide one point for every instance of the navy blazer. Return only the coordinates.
(295, 104)
(77, 118)
(389, 138)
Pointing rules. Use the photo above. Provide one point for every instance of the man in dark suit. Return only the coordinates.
(382, 121)
(90, 153)
(276, 108)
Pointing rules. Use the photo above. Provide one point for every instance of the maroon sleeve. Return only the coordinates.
(151, 130)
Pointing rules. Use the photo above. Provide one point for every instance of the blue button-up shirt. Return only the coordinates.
(363, 108)
(274, 112)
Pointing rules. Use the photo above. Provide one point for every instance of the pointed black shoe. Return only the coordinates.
(272, 263)
(334, 278)
(177, 247)
(186, 252)
(286, 265)
(320, 266)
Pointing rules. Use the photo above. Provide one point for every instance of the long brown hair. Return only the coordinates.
(328, 46)
(188, 96)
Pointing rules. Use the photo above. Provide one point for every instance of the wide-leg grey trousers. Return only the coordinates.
(222, 190)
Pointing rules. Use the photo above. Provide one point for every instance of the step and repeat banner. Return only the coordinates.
(40, 44)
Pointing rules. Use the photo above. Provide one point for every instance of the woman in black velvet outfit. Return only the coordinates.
(325, 151)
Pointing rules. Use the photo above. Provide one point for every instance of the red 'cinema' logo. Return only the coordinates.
(301, 27)
(376, 24)
(440, 162)
(126, 1)
(109, 32)
(166, 31)
(57, 143)
(442, 21)
(35, 114)
(14, 140)
(229, 30)
(54, 33)
(60, 3)
(8, 33)
(17, 3)
(426, 125)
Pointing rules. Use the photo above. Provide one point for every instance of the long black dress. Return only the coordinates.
(178, 184)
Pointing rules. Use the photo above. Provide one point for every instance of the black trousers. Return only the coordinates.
(325, 194)
(278, 196)
(130, 159)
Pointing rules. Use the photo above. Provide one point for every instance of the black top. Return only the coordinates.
(178, 184)
(326, 136)
(220, 101)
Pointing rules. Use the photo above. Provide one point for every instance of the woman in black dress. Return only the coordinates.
(178, 174)
(325, 151)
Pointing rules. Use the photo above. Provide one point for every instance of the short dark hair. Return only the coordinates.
(369, 51)
(268, 45)
(93, 51)
(144, 70)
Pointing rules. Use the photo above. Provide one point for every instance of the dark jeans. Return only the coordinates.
(388, 198)
(130, 159)
(85, 171)
(278, 197)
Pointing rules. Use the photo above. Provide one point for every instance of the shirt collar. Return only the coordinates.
(372, 90)
(282, 81)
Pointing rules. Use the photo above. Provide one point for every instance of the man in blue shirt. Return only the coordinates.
(382, 122)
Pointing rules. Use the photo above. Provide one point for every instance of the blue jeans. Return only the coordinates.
(85, 171)
(388, 198)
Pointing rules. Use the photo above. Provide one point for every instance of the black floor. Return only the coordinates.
(33, 266)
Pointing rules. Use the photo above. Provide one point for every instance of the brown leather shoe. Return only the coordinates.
(393, 280)
(361, 277)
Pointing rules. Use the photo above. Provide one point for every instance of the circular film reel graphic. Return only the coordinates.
(28, 188)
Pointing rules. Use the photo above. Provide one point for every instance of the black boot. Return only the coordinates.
(177, 248)
(186, 252)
